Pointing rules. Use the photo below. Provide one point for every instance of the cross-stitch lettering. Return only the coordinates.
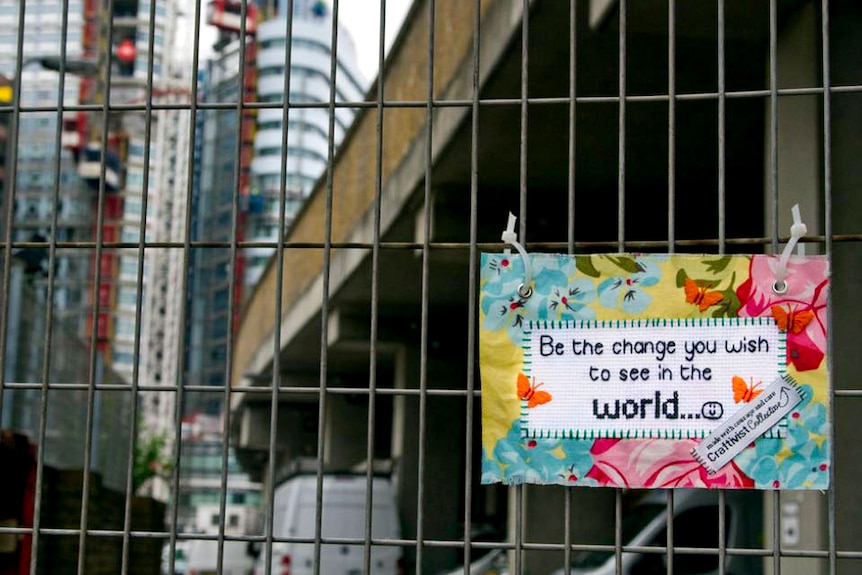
(645, 407)
(759, 345)
(618, 377)
(692, 372)
(660, 348)
(693, 348)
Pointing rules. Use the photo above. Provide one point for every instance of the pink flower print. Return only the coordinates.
(638, 463)
(807, 290)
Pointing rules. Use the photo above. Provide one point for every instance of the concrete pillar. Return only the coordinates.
(346, 431)
(799, 126)
(442, 466)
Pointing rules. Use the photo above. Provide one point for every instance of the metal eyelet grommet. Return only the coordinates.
(779, 287)
(525, 291)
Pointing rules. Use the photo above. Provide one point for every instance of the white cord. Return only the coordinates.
(509, 236)
(797, 230)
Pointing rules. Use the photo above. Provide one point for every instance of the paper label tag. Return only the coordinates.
(747, 424)
(644, 378)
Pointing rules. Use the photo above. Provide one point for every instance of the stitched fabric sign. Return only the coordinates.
(608, 370)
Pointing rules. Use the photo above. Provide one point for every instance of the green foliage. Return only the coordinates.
(730, 304)
(586, 267)
(717, 266)
(151, 459)
(626, 264)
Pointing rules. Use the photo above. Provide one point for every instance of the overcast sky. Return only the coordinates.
(362, 19)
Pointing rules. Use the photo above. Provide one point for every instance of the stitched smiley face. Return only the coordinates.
(712, 410)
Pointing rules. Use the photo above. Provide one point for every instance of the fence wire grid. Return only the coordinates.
(221, 270)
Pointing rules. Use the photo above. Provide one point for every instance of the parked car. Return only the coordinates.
(695, 524)
(343, 516)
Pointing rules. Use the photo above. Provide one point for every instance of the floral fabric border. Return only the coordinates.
(647, 286)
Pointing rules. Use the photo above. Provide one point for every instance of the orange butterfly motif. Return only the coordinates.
(743, 392)
(699, 296)
(791, 320)
(530, 391)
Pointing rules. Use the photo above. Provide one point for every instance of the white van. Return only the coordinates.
(695, 524)
(181, 556)
(343, 516)
(202, 558)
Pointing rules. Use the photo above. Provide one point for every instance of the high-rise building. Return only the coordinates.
(107, 52)
(225, 157)
(37, 153)
(308, 128)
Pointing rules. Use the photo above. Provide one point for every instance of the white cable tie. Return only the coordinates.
(797, 231)
(509, 236)
(510, 230)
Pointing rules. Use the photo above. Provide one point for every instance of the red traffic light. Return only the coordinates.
(126, 51)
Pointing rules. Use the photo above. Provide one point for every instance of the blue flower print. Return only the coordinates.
(528, 460)
(807, 466)
(502, 266)
(508, 312)
(503, 307)
(491, 470)
(571, 302)
(759, 461)
(578, 462)
(626, 291)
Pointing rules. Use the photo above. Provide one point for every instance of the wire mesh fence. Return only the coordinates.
(241, 283)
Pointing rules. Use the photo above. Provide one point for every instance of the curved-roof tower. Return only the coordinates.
(308, 127)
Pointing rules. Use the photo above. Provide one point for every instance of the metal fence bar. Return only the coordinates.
(231, 309)
(573, 120)
(457, 102)
(671, 127)
(618, 531)
(375, 296)
(139, 304)
(269, 495)
(324, 307)
(671, 212)
(832, 536)
(722, 531)
(96, 360)
(181, 343)
(525, 118)
(12, 181)
(621, 173)
(721, 128)
(669, 526)
(521, 490)
(425, 290)
(472, 297)
(773, 121)
(570, 248)
(395, 245)
(773, 215)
